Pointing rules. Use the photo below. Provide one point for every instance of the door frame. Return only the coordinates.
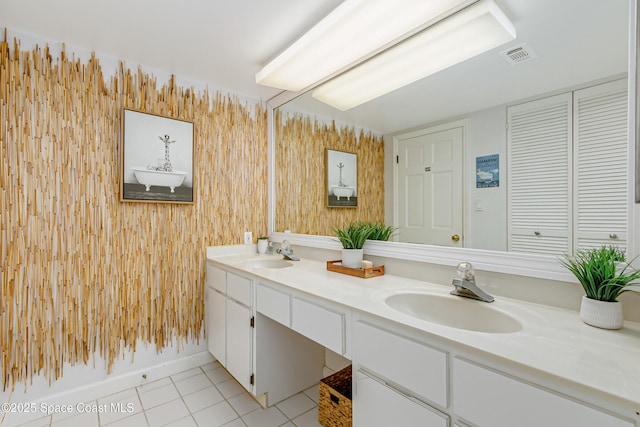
(427, 130)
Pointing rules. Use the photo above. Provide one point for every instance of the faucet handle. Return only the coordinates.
(465, 271)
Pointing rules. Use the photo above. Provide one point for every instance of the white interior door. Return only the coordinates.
(429, 187)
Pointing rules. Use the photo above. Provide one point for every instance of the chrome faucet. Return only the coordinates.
(286, 251)
(465, 284)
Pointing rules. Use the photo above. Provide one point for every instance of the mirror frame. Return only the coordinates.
(520, 264)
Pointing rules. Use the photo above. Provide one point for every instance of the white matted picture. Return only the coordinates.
(341, 177)
(157, 158)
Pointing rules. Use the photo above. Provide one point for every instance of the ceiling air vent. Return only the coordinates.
(518, 54)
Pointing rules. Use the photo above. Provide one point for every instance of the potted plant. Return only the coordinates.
(352, 238)
(380, 231)
(604, 274)
(263, 244)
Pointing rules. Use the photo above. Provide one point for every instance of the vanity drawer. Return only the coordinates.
(486, 397)
(319, 324)
(239, 288)
(273, 304)
(216, 278)
(403, 361)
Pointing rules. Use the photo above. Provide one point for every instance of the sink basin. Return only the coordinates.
(454, 312)
(269, 263)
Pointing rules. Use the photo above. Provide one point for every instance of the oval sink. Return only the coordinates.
(454, 312)
(269, 263)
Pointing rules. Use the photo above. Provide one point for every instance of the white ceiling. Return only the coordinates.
(225, 42)
(221, 42)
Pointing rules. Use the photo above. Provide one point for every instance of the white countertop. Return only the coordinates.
(553, 341)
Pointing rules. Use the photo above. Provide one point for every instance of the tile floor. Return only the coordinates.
(202, 396)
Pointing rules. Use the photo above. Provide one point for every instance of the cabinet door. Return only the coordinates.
(378, 405)
(239, 343)
(216, 325)
(539, 184)
(601, 152)
(487, 398)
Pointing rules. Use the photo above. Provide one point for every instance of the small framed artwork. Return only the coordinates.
(488, 171)
(341, 177)
(156, 159)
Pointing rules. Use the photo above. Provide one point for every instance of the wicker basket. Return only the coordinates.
(334, 399)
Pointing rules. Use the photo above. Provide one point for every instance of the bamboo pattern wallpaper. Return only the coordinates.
(301, 204)
(83, 274)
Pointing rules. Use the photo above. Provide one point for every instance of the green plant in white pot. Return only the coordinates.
(352, 238)
(604, 274)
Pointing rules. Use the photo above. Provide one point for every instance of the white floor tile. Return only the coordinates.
(84, 419)
(296, 405)
(189, 399)
(167, 413)
(218, 375)
(202, 398)
(230, 388)
(210, 366)
(119, 405)
(40, 422)
(236, 423)
(184, 422)
(270, 417)
(312, 393)
(216, 415)
(308, 419)
(158, 396)
(186, 374)
(192, 384)
(136, 420)
(151, 385)
(243, 403)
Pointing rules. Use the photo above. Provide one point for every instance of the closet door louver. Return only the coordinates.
(600, 171)
(539, 152)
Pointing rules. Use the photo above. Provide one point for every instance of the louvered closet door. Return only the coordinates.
(600, 165)
(539, 180)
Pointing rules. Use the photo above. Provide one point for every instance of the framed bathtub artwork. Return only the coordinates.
(156, 158)
(341, 178)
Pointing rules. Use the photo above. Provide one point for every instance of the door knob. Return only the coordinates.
(455, 237)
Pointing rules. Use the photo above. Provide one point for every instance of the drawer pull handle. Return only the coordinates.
(613, 236)
(537, 233)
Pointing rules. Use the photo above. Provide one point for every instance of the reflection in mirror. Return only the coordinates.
(562, 47)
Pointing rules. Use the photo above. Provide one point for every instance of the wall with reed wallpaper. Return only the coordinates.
(83, 275)
(301, 204)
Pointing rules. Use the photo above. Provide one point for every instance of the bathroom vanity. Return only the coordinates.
(454, 366)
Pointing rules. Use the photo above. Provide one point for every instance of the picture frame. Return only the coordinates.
(341, 179)
(156, 158)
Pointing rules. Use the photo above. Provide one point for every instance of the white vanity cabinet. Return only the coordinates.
(485, 397)
(267, 357)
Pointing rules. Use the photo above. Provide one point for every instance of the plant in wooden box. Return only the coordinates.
(352, 238)
(604, 274)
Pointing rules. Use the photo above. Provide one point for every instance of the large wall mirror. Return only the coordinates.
(569, 45)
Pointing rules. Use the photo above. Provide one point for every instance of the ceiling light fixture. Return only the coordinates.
(470, 32)
(355, 30)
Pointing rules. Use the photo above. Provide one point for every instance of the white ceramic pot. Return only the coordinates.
(263, 246)
(352, 258)
(601, 314)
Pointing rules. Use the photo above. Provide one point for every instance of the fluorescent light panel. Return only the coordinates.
(350, 33)
(470, 32)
